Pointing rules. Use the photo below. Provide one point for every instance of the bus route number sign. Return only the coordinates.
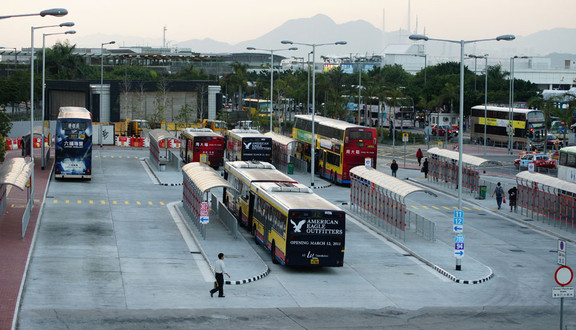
(204, 213)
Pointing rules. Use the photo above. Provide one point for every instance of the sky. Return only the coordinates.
(233, 21)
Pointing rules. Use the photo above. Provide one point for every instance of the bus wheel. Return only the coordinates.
(273, 252)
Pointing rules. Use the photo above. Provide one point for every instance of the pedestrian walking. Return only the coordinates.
(419, 156)
(499, 192)
(394, 167)
(219, 271)
(425, 168)
(512, 194)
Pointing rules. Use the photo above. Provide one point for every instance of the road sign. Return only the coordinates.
(561, 252)
(204, 213)
(531, 167)
(561, 292)
(368, 162)
(563, 275)
(458, 221)
(459, 246)
(405, 137)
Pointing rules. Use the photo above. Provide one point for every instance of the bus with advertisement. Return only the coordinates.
(528, 126)
(248, 145)
(73, 144)
(567, 164)
(202, 145)
(339, 145)
(298, 227)
(242, 176)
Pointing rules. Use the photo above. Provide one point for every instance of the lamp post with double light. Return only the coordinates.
(312, 151)
(416, 37)
(44, 86)
(102, 83)
(56, 12)
(485, 57)
(271, 76)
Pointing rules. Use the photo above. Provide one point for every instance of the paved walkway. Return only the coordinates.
(14, 250)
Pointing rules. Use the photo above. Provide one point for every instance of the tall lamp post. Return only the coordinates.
(44, 86)
(102, 83)
(511, 106)
(485, 57)
(271, 76)
(313, 142)
(417, 37)
(56, 12)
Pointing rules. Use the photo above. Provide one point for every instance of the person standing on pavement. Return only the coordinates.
(394, 167)
(512, 194)
(499, 192)
(425, 168)
(419, 156)
(219, 271)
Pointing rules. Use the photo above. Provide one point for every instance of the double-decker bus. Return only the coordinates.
(242, 176)
(73, 155)
(298, 227)
(567, 164)
(525, 123)
(340, 145)
(202, 145)
(255, 106)
(248, 145)
(398, 113)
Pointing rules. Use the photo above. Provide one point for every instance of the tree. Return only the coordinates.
(62, 63)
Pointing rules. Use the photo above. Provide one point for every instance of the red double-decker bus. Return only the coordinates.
(339, 145)
(202, 145)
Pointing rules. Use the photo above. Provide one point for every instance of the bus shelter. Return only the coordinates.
(160, 155)
(198, 180)
(547, 199)
(283, 152)
(381, 199)
(16, 172)
(443, 167)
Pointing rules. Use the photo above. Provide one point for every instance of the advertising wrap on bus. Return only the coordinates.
(316, 237)
(256, 148)
(73, 148)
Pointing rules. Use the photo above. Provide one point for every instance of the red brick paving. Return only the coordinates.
(14, 249)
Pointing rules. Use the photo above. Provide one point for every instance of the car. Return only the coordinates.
(551, 141)
(540, 161)
(441, 130)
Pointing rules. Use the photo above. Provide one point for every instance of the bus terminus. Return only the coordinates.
(242, 176)
(73, 156)
(298, 227)
(525, 122)
(340, 146)
(248, 145)
(202, 145)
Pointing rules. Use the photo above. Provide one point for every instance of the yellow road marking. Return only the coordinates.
(436, 207)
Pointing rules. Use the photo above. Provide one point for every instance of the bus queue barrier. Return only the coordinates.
(198, 180)
(160, 156)
(380, 199)
(282, 151)
(547, 199)
(443, 169)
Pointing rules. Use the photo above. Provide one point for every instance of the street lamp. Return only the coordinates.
(511, 106)
(102, 83)
(58, 12)
(44, 85)
(55, 12)
(485, 57)
(416, 37)
(312, 151)
(271, 76)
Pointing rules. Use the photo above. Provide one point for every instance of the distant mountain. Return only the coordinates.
(362, 38)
